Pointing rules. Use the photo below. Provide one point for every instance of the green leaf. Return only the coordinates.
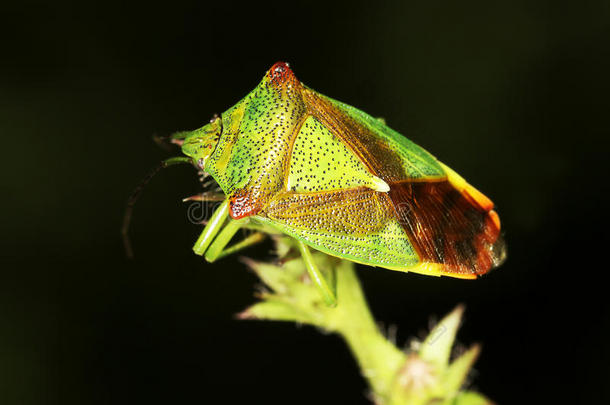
(436, 348)
(273, 276)
(458, 370)
(275, 310)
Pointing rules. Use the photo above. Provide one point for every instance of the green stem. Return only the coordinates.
(378, 358)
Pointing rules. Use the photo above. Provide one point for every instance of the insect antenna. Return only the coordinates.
(136, 194)
(165, 142)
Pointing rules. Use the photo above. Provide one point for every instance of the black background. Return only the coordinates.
(512, 95)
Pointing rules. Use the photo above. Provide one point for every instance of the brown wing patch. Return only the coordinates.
(449, 227)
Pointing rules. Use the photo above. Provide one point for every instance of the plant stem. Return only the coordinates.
(396, 377)
(378, 358)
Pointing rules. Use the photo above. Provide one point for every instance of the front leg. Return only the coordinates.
(218, 249)
(212, 228)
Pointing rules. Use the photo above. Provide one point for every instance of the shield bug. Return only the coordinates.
(337, 180)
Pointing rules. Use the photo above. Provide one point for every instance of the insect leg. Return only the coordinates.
(212, 228)
(316, 276)
(218, 249)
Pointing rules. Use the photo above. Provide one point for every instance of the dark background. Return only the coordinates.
(512, 95)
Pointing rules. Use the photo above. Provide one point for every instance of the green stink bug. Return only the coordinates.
(340, 181)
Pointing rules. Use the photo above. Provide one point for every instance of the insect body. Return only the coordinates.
(339, 181)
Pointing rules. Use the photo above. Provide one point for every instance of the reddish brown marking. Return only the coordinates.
(242, 204)
(280, 74)
(447, 227)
